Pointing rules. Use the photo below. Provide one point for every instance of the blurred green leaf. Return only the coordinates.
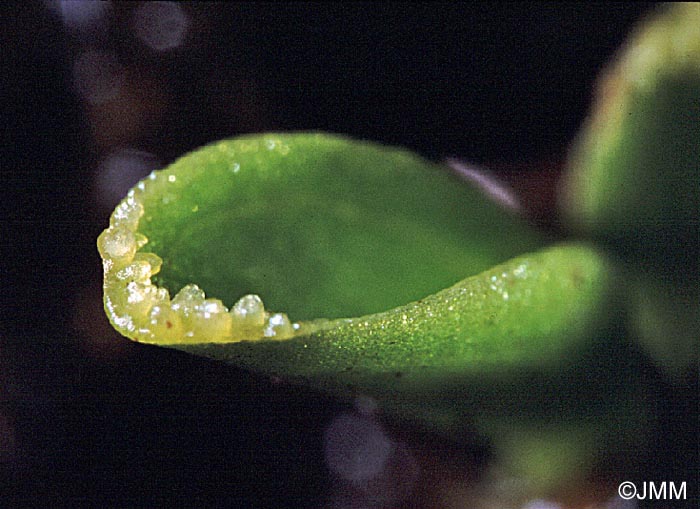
(634, 184)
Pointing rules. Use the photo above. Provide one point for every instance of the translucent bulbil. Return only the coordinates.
(141, 297)
(249, 312)
(163, 324)
(135, 271)
(211, 322)
(127, 213)
(279, 327)
(188, 299)
(143, 311)
(117, 243)
(154, 261)
(212, 307)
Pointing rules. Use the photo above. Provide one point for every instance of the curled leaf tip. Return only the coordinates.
(320, 226)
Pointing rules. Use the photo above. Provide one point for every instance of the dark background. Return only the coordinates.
(89, 417)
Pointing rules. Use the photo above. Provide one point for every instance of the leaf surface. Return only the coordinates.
(403, 282)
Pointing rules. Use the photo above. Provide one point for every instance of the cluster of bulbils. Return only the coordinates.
(143, 311)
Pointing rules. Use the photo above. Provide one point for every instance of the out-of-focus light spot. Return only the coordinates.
(366, 405)
(79, 14)
(98, 76)
(161, 25)
(619, 503)
(489, 184)
(541, 504)
(120, 171)
(394, 483)
(495, 489)
(356, 448)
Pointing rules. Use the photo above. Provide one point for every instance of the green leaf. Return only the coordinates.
(319, 226)
(322, 226)
(634, 184)
(531, 312)
(404, 283)
(635, 172)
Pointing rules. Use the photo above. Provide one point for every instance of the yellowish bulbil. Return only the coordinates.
(213, 321)
(117, 243)
(279, 327)
(136, 271)
(248, 317)
(164, 325)
(143, 311)
(127, 213)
